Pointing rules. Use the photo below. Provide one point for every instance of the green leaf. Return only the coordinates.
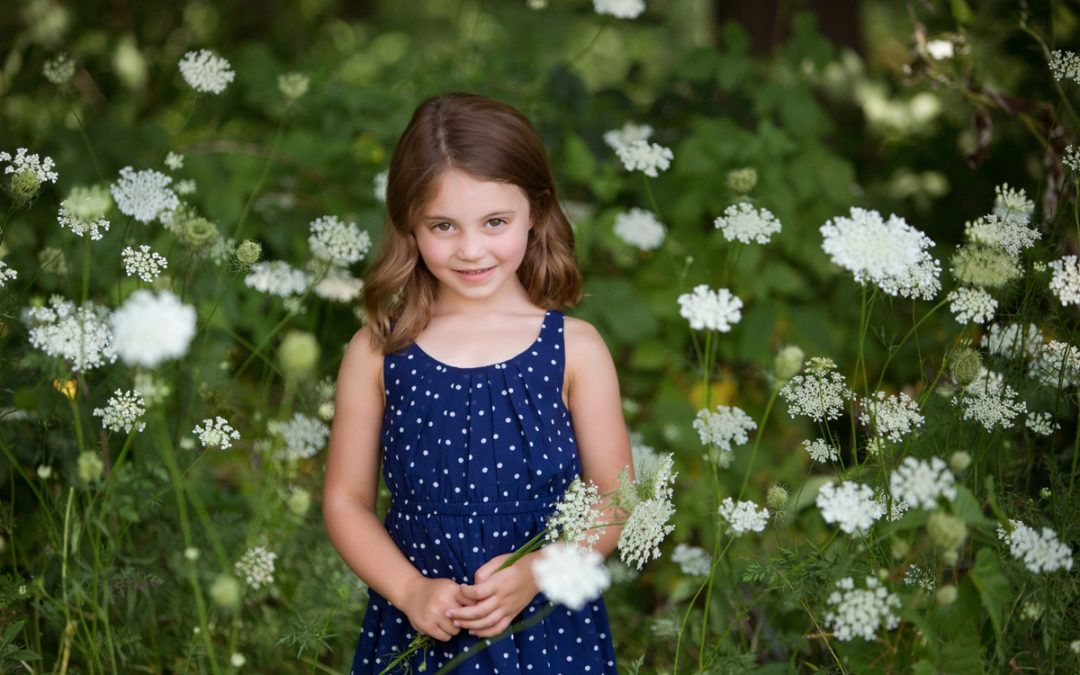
(962, 656)
(994, 589)
(967, 508)
(580, 163)
(961, 12)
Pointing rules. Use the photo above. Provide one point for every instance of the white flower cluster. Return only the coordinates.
(216, 432)
(1065, 65)
(971, 305)
(940, 49)
(620, 9)
(122, 412)
(709, 309)
(151, 328)
(692, 560)
(81, 226)
(743, 516)
(23, 163)
(723, 427)
(206, 72)
(1039, 551)
(6, 274)
(629, 134)
(892, 416)
(339, 285)
(644, 530)
(890, 254)
(850, 504)
(1007, 234)
(997, 405)
(893, 509)
(570, 575)
(821, 450)
(79, 335)
(1012, 340)
(639, 228)
(277, 277)
(918, 483)
(741, 221)
(303, 436)
(143, 262)
(1065, 281)
(1056, 363)
(1041, 423)
(1071, 158)
(819, 395)
(860, 612)
(257, 567)
(143, 195)
(919, 576)
(575, 519)
(649, 158)
(1012, 205)
(174, 161)
(336, 242)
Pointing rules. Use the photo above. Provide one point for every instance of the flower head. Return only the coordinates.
(1065, 65)
(621, 9)
(820, 394)
(890, 254)
(649, 158)
(723, 427)
(1012, 340)
(59, 70)
(143, 195)
(644, 530)
(1012, 205)
(151, 328)
(821, 450)
(741, 221)
(256, 566)
(206, 72)
(994, 405)
(1065, 282)
(336, 242)
(303, 435)
(216, 432)
(6, 273)
(1010, 235)
(77, 334)
(380, 184)
(744, 516)
(293, 86)
(32, 165)
(860, 612)
(1056, 364)
(277, 277)
(639, 228)
(122, 412)
(919, 483)
(709, 309)
(850, 504)
(339, 285)
(984, 266)
(971, 305)
(143, 262)
(692, 560)
(629, 134)
(892, 416)
(1041, 423)
(1039, 551)
(575, 518)
(570, 575)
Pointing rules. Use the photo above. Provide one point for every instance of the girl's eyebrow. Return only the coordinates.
(504, 212)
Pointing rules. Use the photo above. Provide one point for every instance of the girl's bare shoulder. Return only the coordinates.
(363, 360)
(584, 345)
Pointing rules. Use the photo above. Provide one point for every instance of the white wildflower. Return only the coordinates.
(303, 436)
(644, 530)
(174, 161)
(185, 187)
(122, 412)
(575, 518)
(1065, 65)
(1006, 234)
(151, 328)
(1039, 551)
(709, 309)
(919, 483)
(987, 382)
(850, 504)
(1041, 423)
(1012, 340)
(722, 428)
(649, 158)
(339, 285)
(971, 305)
(819, 395)
(857, 612)
(6, 273)
(336, 242)
(1012, 205)
(570, 575)
(143, 262)
(892, 416)
(143, 195)
(293, 85)
(1071, 158)
(692, 560)
(256, 566)
(153, 390)
(81, 227)
(741, 221)
(940, 49)
(918, 576)
(890, 254)
(629, 134)
(1056, 363)
(22, 163)
(644, 456)
(216, 432)
(277, 277)
(821, 450)
(991, 408)
(380, 183)
(743, 517)
(59, 70)
(78, 334)
(620, 9)
(893, 509)
(1065, 281)
(639, 228)
(206, 72)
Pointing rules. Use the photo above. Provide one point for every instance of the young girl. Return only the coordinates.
(479, 398)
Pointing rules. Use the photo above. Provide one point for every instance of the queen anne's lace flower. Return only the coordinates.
(644, 530)
(919, 483)
(1012, 340)
(893, 509)
(918, 576)
(639, 228)
(1071, 158)
(629, 134)
(575, 519)
(621, 9)
(143, 195)
(741, 221)
(151, 328)
(122, 412)
(709, 309)
(206, 72)
(649, 158)
(336, 242)
(1065, 65)
(22, 163)
(1056, 363)
(1008, 234)
(143, 262)
(743, 517)
(692, 560)
(174, 161)
(570, 575)
(379, 185)
(339, 286)
(1065, 281)
(890, 254)
(277, 277)
(991, 408)
(1041, 423)
(303, 436)
(59, 70)
(723, 427)
(216, 432)
(850, 504)
(1039, 551)
(821, 450)
(256, 566)
(79, 335)
(1012, 205)
(892, 416)
(971, 305)
(6, 274)
(819, 395)
(857, 612)
(940, 49)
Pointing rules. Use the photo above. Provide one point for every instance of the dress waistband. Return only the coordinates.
(508, 507)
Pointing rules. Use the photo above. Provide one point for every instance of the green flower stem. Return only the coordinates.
(757, 440)
(7, 217)
(172, 137)
(587, 48)
(686, 615)
(895, 350)
(483, 644)
(89, 145)
(262, 179)
(46, 509)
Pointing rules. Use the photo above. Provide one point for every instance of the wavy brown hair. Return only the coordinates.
(491, 141)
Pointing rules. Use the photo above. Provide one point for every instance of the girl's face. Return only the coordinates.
(472, 236)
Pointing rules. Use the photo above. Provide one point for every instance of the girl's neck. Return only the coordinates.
(515, 300)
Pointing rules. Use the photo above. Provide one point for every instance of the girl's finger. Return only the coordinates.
(473, 612)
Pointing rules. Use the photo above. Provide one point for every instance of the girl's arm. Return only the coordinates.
(349, 494)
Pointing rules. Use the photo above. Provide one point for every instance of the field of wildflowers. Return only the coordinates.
(841, 289)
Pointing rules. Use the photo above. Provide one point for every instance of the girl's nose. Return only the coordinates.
(471, 246)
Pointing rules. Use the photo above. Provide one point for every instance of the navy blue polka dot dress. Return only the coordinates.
(474, 459)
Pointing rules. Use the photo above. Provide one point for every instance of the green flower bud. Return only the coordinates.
(225, 591)
(248, 253)
(1031, 610)
(950, 558)
(293, 85)
(90, 468)
(776, 498)
(1045, 493)
(984, 266)
(946, 595)
(965, 364)
(299, 501)
(820, 365)
(199, 233)
(298, 353)
(60, 69)
(87, 203)
(191, 553)
(24, 185)
(742, 181)
(959, 461)
(44, 472)
(900, 548)
(946, 531)
(788, 362)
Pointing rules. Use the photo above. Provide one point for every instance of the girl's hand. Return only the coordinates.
(428, 603)
(498, 596)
